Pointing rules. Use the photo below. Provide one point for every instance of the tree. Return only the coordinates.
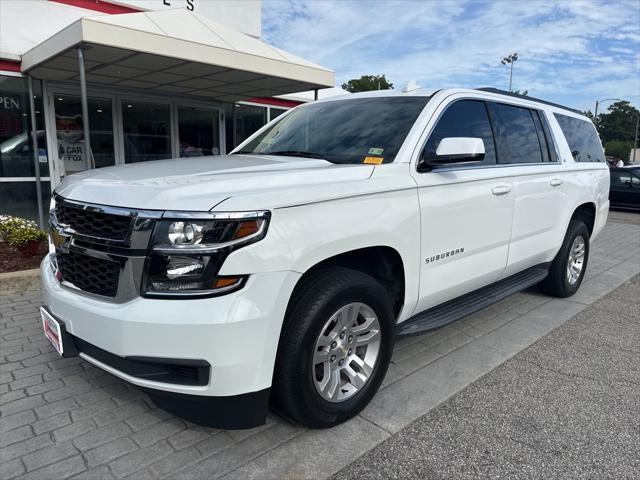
(619, 123)
(618, 149)
(366, 83)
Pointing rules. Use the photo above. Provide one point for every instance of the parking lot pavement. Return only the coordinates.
(64, 418)
(566, 407)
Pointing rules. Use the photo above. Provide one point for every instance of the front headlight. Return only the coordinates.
(188, 250)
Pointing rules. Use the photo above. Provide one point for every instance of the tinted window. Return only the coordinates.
(542, 139)
(342, 131)
(516, 134)
(582, 138)
(621, 178)
(466, 118)
(553, 154)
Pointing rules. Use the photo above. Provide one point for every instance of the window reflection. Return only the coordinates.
(147, 132)
(517, 133)
(16, 146)
(198, 131)
(248, 120)
(19, 199)
(345, 131)
(582, 138)
(466, 118)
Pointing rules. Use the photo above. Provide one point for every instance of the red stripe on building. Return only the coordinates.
(9, 65)
(276, 102)
(99, 6)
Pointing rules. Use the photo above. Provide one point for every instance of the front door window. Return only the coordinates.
(198, 131)
(70, 133)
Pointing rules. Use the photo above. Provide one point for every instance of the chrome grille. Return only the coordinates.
(94, 224)
(101, 250)
(90, 274)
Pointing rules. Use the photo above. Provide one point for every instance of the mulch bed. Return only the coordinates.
(12, 259)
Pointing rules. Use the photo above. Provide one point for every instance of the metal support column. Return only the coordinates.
(36, 159)
(315, 94)
(85, 110)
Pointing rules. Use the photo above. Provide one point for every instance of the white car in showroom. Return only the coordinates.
(282, 273)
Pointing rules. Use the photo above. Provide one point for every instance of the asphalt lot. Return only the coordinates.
(566, 407)
(64, 418)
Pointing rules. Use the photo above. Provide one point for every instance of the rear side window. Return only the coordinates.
(465, 118)
(516, 134)
(582, 138)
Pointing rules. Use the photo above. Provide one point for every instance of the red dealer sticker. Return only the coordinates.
(52, 330)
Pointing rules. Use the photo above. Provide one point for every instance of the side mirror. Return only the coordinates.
(454, 150)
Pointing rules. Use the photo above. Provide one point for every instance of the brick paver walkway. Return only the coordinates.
(64, 418)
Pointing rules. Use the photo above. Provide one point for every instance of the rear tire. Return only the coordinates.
(570, 264)
(337, 316)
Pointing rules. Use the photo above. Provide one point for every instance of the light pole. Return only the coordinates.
(510, 59)
(598, 102)
(635, 142)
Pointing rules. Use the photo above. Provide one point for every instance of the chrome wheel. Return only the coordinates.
(575, 263)
(346, 352)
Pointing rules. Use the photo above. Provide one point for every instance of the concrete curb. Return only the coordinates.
(12, 282)
(26, 274)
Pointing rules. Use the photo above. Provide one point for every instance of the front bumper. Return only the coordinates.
(237, 334)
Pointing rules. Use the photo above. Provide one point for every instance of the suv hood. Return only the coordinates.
(201, 183)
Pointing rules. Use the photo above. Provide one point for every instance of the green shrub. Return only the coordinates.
(618, 149)
(18, 231)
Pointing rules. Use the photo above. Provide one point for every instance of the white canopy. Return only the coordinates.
(173, 51)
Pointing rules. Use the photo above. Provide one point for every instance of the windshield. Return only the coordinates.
(342, 131)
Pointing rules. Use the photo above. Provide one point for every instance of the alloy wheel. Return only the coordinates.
(575, 263)
(346, 352)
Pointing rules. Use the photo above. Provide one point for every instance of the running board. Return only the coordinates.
(465, 305)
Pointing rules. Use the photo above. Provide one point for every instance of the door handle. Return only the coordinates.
(555, 182)
(500, 189)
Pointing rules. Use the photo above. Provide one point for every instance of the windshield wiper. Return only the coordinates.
(297, 153)
(292, 153)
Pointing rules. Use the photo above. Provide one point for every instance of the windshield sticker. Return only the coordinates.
(376, 151)
(373, 160)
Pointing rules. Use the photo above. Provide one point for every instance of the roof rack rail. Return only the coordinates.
(526, 97)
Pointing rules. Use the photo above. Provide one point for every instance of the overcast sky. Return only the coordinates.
(571, 52)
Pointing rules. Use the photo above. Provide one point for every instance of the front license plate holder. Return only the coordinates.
(56, 334)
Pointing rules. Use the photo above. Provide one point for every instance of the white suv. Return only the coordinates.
(282, 273)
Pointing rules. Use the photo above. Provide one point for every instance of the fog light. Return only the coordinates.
(180, 266)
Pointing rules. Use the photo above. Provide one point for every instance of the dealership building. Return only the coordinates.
(140, 80)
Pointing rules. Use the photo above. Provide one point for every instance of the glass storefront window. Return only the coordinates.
(248, 120)
(147, 132)
(16, 147)
(70, 133)
(198, 131)
(19, 199)
(276, 112)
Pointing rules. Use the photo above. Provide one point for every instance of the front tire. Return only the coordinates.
(335, 347)
(570, 264)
